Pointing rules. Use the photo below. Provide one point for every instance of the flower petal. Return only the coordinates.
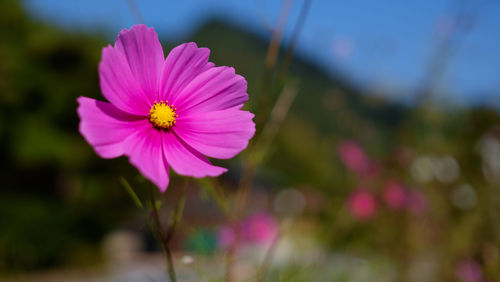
(218, 134)
(144, 53)
(216, 89)
(145, 151)
(186, 161)
(182, 65)
(106, 127)
(129, 71)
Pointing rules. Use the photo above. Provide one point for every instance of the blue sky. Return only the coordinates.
(385, 44)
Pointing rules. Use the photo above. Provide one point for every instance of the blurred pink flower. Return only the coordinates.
(165, 112)
(362, 204)
(469, 271)
(395, 195)
(417, 202)
(354, 158)
(226, 236)
(260, 228)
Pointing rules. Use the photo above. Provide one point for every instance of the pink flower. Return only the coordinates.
(165, 113)
(362, 204)
(395, 195)
(260, 228)
(226, 236)
(469, 271)
(417, 203)
(355, 158)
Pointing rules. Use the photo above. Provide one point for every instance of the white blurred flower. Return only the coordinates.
(446, 169)
(464, 197)
(426, 168)
(421, 169)
(489, 149)
(187, 259)
(122, 246)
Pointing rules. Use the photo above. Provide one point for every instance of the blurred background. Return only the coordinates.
(383, 164)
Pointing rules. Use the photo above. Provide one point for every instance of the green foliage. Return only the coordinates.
(56, 193)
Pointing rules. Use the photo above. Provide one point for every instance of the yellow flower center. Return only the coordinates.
(162, 115)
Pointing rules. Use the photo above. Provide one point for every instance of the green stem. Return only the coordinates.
(162, 238)
(131, 192)
(179, 209)
(170, 264)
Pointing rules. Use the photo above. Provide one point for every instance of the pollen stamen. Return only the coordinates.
(162, 115)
